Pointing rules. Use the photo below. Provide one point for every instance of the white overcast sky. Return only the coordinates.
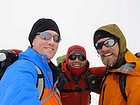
(77, 20)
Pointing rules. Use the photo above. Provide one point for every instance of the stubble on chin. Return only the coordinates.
(109, 61)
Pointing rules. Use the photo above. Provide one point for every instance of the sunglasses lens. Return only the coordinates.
(72, 57)
(56, 38)
(108, 43)
(47, 36)
(80, 57)
(99, 46)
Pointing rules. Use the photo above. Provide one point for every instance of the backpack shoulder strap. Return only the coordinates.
(40, 82)
(122, 84)
(41, 85)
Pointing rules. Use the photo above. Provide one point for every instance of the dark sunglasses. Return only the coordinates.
(108, 43)
(80, 57)
(47, 36)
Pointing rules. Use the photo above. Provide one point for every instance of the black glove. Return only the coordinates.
(92, 82)
(62, 80)
(138, 54)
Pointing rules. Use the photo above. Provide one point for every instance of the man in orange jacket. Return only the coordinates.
(110, 44)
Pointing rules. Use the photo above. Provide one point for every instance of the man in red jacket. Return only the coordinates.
(77, 80)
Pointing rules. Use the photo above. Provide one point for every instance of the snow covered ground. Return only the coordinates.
(94, 98)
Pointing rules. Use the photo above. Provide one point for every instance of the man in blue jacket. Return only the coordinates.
(18, 84)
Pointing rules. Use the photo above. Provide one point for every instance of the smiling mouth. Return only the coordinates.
(107, 55)
(76, 65)
(50, 49)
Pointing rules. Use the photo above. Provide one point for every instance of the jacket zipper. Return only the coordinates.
(103, 90)
(76, 93)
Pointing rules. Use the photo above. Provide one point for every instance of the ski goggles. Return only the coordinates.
(80, 56)
(47, 36)
(108, 43)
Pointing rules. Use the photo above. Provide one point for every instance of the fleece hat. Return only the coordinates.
(42, 25)
(76, 48)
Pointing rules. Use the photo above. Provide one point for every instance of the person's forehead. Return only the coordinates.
(51, 32)
(77, 52)
(103, 39)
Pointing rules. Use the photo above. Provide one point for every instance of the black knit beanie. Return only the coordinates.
(42, 25)
(101, 34)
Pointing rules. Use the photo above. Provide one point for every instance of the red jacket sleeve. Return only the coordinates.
(99, 73)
